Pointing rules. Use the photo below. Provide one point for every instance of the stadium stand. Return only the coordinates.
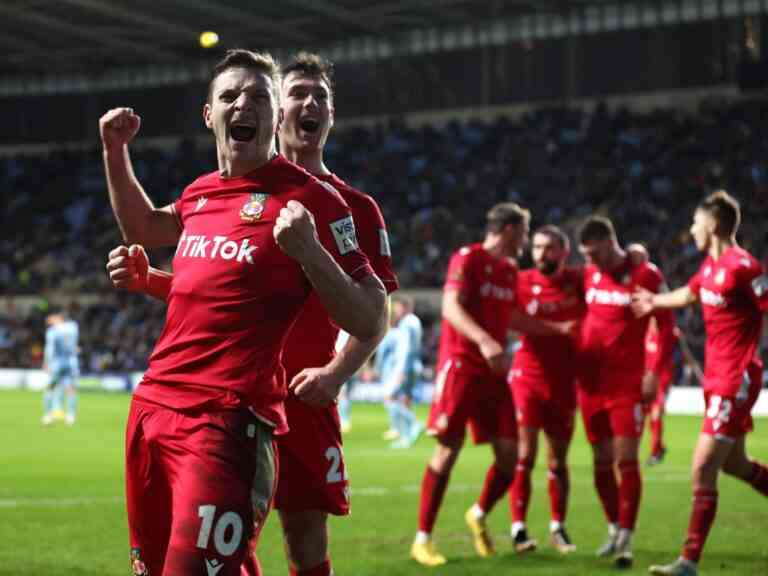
(646, 170)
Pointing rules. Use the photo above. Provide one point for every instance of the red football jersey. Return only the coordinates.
(486, 286)
(235, 294)
(652, 351)
(548, 363)
(302, 351)
(612, 338)
(733, 291)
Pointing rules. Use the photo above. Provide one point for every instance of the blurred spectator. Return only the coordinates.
(434, 184)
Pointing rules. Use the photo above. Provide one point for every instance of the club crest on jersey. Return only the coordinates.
(720, 277)
(254, 208)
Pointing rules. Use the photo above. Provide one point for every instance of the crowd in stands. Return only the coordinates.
(434, 184)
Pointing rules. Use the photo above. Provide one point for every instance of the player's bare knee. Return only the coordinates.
(704, 474)
(444, 457)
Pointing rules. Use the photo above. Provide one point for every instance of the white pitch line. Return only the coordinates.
(375, 491)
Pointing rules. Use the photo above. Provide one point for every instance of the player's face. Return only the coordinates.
(516, 238)
(243, 111)
(547, 253)
(702, 229)
(597, 252)
(308, 109)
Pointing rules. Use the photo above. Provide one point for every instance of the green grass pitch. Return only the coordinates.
(62, 513)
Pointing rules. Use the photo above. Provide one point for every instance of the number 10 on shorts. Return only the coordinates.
(227, 532)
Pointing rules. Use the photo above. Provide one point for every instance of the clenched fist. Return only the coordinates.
(295, 230)
(118, 127)
(128, 268)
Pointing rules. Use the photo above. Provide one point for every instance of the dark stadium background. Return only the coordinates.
(444, 107)
(635, 109)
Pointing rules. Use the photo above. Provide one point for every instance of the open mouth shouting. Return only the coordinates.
(242, 132)
(309, 125)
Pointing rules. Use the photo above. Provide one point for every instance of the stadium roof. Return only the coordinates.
(93, 36)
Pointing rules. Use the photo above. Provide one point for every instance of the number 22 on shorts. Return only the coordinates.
(336, 472)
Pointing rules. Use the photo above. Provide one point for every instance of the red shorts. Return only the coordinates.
(312, 471)
(468, 394)
(729, 417)
(198, 486)
(610, 417)
(535, 409)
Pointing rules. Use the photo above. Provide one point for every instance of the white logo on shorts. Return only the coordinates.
(212, 567)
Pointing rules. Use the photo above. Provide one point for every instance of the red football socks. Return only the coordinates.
(559, 485)
(496, 484)
(657, 429)
(432, 490)
(608, 491)
(630, 490)
(702, 517)
(759, 479)
(520, 495)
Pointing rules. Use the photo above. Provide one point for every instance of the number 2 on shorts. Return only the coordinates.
(333, 455)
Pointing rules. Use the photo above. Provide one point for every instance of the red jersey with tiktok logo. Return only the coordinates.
(612, 346)
(235, 294)
(313, 337)
(548, 364)
(486, 286)
(733, 291)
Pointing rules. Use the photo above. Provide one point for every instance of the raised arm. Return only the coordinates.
(129, 268)
(358, 307)
(139, 220)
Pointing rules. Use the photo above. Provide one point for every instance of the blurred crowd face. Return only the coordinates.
(598, 253)
(548, 253)
(702, 229)
(308, 112)
(53, 319)
(243, 114)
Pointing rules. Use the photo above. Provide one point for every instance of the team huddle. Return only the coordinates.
(274, 254)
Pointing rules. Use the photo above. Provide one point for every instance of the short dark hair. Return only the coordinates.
(555, 232)
(725, 210)
(596, 228)
(504, 214)
(257, 61)
(313, 65)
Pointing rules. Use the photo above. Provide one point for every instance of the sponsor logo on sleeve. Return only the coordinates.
(760, 285)
(384, 248)
(344, 233)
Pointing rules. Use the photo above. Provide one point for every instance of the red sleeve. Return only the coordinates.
(757, 279)
(374, 241)
(459, 271)
(665, 323)
(337, 233)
